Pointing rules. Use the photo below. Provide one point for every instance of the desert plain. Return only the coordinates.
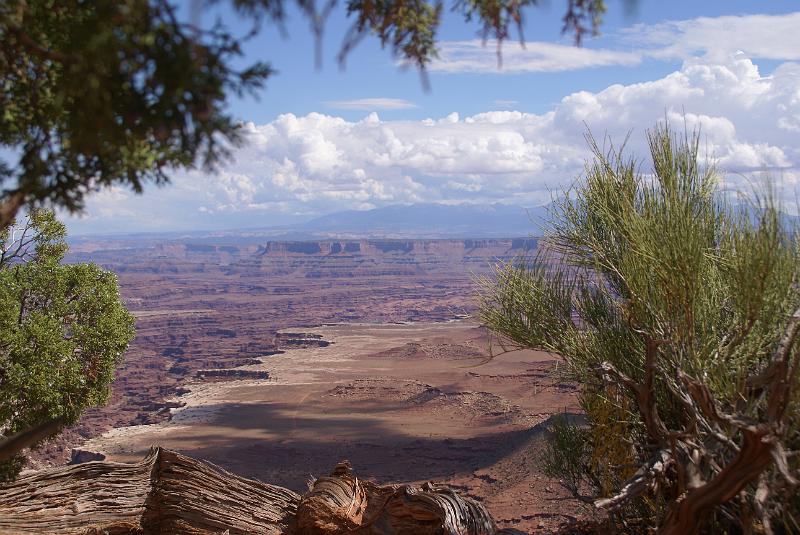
(277, 360)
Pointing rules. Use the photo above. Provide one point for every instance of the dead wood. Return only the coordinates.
(759, 449)
(431, 510)
(164, 493)
(341, 503)
(14, 444)
(334, 504)
(168, 493)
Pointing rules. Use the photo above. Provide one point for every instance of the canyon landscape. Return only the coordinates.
(276, 360)
(486, 268)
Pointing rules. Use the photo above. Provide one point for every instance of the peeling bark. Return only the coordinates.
(164, 493)
(334, 504)
(342, 503)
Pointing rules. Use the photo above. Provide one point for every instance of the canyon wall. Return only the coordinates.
(203, 306)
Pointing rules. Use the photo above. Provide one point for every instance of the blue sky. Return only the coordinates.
(323, 140)
(371, 72)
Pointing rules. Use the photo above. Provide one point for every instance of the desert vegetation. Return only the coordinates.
(63, 330)
(677, 313)
(675, 310)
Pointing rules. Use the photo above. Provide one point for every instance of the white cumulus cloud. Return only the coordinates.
(318, 163)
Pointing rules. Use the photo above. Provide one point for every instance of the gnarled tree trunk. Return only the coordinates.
(164, 493)
(169, 493)
(341, 503)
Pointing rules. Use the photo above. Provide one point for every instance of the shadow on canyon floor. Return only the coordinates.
(294, 447)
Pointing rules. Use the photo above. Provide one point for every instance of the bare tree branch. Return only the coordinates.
(640, 483)
(12, 445)
(9, 208)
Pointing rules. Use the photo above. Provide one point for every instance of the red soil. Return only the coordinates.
(404, 403)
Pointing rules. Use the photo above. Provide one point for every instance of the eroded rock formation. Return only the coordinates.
(204, 305)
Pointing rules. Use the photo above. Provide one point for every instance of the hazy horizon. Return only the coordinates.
(406, 221)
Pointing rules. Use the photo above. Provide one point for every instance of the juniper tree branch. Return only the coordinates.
(760, 501)
(12, 445)
(761, 444)
(785, 370)
(9, 208)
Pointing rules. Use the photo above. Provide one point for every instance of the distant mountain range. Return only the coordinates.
(430, 220)
(415, 221)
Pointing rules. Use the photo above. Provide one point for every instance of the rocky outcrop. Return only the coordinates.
(233, 373)
(79, 456)
(387, 247)
(524, 244)
(299, 340)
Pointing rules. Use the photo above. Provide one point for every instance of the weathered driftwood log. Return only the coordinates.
(165, 493)
(432, 510)
(169, 493)
(334, 504)
(341, 503)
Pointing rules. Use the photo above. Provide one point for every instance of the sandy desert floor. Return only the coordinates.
(403, 402)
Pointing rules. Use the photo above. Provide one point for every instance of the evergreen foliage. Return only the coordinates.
(102, 93)
(63, 330)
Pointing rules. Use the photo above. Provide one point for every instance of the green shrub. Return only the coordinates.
(63, 330)
(678, 314)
